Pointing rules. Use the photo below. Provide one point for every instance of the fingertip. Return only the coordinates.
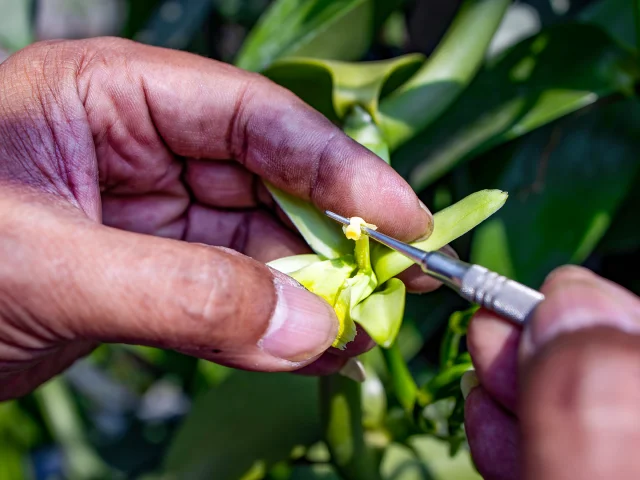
(492, 435)
(327, 364)
(417, 281)
(493, 344)
(359, 345)
(575, 299)
(303, 325)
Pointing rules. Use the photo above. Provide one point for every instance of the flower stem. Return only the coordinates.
(363, 258)
(341, 416)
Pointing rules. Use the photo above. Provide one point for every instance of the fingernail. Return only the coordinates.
(354, 369)
(448, 250)
(303, 325)
(429, 230)
(468, 382)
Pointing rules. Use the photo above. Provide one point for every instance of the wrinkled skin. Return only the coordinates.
(561, 400)
(132, 210)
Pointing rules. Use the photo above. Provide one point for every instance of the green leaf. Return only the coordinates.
(449, 224)
(138, 14)
(380, 314)
(616, 17)
(323, 235)
(289, 265)
(624, 234)
(16, 30)
(360, 126)
(251, 419)
(558, 71)
(434, 453)
(335, 29)
(566, 182)
(493, 232)
(17, 427)
(334, 88)
(445, 75)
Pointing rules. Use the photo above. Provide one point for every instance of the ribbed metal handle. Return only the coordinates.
(507, 298)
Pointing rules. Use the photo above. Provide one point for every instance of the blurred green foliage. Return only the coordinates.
(552, 118)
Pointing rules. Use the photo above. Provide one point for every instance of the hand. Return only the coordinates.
(569, 406)
(122, 165)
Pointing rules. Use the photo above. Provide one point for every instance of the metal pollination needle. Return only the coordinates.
(507, 298)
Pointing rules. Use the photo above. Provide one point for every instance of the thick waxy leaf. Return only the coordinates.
(445, 75)
(381, 313)
(323, 235)
(277, 411)
(616, 17)
(336, 29)
(18, 434)
(558, 71)
(449, 224)
(296, 262)
(624, 234)
(360, 126)
(334, 88)
(567, 181)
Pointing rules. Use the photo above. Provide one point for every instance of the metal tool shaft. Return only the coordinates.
(509, 299)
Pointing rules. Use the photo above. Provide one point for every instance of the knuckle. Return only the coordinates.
(221, 297)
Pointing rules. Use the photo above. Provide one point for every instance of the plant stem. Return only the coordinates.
(403, 383)
(341, 416)
(66, 428)
(363, 258)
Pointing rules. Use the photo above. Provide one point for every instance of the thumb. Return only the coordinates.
(86, 281)
(581, 381)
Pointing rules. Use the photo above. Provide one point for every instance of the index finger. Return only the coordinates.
(205, 109)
